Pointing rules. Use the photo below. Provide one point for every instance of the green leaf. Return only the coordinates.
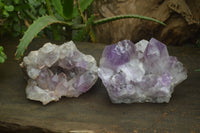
(32, 6)
(68, 8)
(35, 3)
(85, 30)
(105, 20)
(2, 55)
(2, 60)
(198, 70)
(33, 30)
(1, 5)
(49, 7)
(56, 34)
(58, 6)
(84, 4)
(42, 11)
(1, 48)
(9, 8)
(80, 35)
(17, 1)
(5, 13)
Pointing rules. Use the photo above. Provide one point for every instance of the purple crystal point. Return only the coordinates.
(156, 51)
(143, 72)
(156, 56)
(57, 71)
(119, 53)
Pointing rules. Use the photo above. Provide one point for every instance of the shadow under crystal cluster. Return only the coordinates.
(57, 71)
(143, 72)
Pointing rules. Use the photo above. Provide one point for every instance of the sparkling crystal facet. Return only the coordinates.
(57, 71)
(143, 72)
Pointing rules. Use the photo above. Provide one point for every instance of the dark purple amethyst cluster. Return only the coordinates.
(143, 72)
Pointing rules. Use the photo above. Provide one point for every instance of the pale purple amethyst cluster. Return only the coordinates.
(55, 71)
(143, 72)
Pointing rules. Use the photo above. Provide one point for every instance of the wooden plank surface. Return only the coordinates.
(93, 111)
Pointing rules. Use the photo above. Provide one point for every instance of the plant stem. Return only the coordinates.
(79, 8)
(49, 7)
(92, 34)
(30, 15)
(104, 20)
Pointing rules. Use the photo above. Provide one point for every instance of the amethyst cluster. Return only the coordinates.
(143, 72)
(57, 71)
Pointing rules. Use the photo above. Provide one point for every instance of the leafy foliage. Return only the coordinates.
(84, 4)
(68, 8)
(33, 30)
(85, 30)
(3, 56)
(16, 15)
(66, 12)
(58, 6)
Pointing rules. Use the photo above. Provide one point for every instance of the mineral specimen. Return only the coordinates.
(57, 71)
(143, 72)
